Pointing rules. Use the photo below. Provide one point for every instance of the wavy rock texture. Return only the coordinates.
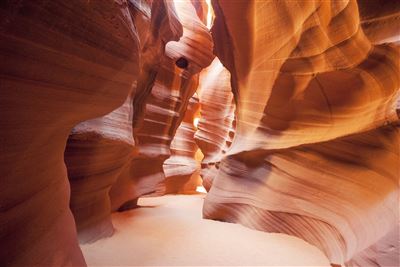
(217, 113)
(311, 156)
(95, 154)
(181, 169)
(98, 149)
(164, 110)
(201, 7)
(62, 62)
(380, 20)
(144, 171)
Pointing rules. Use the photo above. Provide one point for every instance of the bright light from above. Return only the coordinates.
(196, 122)
(209, 14)
(201, 189)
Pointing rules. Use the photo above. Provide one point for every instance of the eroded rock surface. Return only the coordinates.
(181, 170)
(315, 152)
(98, 150)
(62, 62)
(380, 20)
(95, 154)
(215, 129)
(174, 85)
(299, 127)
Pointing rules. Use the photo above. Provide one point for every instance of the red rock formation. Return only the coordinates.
(201, 7)
(315, 152)
(144, 172)
(95, 154)
(319, 188)
(217, 113)
(181, 168)
(311, 155)
(63, 62)
(98, 149)
(380, 20)
(165, 106)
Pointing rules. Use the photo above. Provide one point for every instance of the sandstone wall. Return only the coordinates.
(215, 129)
(182, 172)
(315, 152)
(174, 85)
(55, 73)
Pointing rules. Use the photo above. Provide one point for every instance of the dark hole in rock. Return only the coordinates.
(182, 63)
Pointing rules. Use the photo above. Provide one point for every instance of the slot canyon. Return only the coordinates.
(199, 133)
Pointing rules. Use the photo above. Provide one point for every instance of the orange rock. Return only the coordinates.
(181, 169)
(165, 106)
(215, 129)
(98, 149)
(316, 114)
(63, 62)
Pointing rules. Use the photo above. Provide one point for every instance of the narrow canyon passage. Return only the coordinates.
(115, 113)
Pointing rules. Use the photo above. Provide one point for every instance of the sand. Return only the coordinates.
(170, 231)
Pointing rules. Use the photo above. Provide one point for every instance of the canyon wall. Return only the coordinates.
(95, 154)
(174, 85)
(98, 149)
(315, 152)
(215, 128)
(63, 62)
(299, 120)
(181, 169)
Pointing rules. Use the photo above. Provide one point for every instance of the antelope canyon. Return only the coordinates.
(200, 133)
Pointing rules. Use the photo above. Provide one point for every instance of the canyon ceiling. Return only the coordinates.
(294, 106)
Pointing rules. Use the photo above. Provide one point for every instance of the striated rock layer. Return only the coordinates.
(310, 191)
(215, 129)
(174, 84)
(315, 152)
(181, 168)
(95, 154)
(98, 149)
(62, 62)
(380, 20)
(144, 171)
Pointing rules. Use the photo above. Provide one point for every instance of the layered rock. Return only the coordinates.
(380, 20)
(174, 84)
(181, 169)
(164, 106)
(95, 154)
(202, 9)
(215, 130)
(63, 62)
(98, 149)
(315, 152)
(311, 192)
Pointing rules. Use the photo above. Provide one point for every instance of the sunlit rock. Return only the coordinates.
(315, 152)
(174, 84)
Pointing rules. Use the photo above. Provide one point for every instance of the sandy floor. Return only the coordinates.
(170, 231)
